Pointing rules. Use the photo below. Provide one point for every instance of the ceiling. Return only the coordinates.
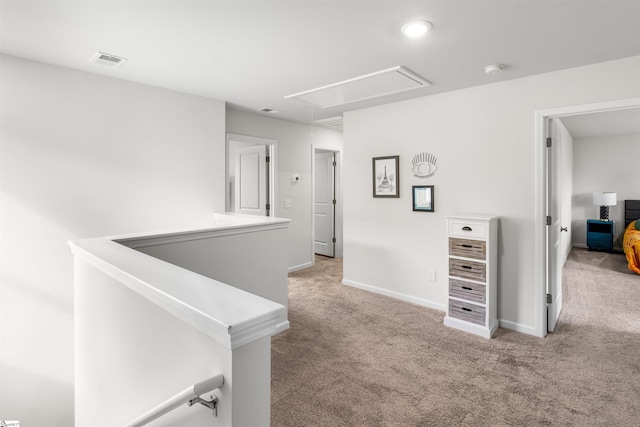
(252, 54)
(608, 123)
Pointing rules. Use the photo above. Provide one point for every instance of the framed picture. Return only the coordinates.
(423, 198)
(386, 178)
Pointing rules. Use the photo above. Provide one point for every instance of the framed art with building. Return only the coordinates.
(386, 177)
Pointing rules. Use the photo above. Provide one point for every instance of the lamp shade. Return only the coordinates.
(605, 199)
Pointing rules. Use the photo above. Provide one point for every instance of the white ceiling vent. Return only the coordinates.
(108, 60)
(332, 122)
(386, 82)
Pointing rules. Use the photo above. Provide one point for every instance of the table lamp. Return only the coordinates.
(604, 200)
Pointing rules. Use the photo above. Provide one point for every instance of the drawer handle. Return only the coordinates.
(466, 246)
(468, 267)
(467, 288)
(466, 228)
(466, 309)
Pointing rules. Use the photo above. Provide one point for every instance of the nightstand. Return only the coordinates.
(600, 235)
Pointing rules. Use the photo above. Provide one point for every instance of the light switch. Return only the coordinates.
(287, 203)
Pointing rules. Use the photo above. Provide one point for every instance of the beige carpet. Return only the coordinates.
(352, 358)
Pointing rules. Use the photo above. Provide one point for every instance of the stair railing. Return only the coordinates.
(190, 396)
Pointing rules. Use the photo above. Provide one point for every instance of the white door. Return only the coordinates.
(324, 204)
(250, 188)
(555, 255)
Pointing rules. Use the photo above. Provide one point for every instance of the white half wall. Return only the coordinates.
(84, 155)
(608, 163)
(295, 149)
(484, 141)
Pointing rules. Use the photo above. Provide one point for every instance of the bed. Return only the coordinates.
(631, 239)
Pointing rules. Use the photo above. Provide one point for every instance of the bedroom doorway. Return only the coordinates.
(326, 225)
(251, 174)
(549, 202)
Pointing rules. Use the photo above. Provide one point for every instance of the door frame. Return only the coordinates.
(273, 168)
(540, 204)
(338, 195)
(326, 154)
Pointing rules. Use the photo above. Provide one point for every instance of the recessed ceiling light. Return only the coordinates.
(493, 68)
(416, 28)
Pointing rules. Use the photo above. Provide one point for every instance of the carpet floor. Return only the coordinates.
(353, 358)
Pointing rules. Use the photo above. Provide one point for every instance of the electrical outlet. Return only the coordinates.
(431, 275)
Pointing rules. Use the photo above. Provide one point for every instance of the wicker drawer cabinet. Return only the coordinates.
(472, 305)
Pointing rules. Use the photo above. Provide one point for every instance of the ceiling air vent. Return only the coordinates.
(108, 60)
(268, 110)
(332, 122)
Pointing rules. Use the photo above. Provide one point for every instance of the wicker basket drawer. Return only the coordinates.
(467, 312)
(476, 249)
(467, 269)
(466, 290)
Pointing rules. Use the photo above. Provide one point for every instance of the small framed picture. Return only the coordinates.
(423, 198)
(386, 179)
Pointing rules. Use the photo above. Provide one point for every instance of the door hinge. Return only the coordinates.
(549, 299)
(334, 240)
(334, 163)
(268, 206)
(268, 159)
(548, 219)
(334, 201)
(548, 142)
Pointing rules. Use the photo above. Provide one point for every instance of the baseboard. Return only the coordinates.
(396, 295)
(518, 327)
(299, 267)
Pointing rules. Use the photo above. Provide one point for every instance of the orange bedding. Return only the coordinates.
(631, 245)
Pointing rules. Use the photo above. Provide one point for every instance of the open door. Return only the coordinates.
(555, 228)
(324, 204)
(251, 180)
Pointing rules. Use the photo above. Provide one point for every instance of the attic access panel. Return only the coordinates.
(386, 82)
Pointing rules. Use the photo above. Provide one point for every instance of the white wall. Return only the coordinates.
(608, 163)
(82, 156)
(295, 148)
(483, 139)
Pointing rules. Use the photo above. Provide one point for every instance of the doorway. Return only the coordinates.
(324, 203)
(251, 173)
(327, 203)
(548, 202)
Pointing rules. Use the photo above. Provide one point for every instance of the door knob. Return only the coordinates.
(563, 229)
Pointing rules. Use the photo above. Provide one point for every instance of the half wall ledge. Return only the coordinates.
(226, 313)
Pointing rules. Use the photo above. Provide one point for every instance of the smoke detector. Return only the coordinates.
(108, 60)
(493, 68)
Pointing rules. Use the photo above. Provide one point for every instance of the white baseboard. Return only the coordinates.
(518, 327)
(396, 295)
(300, 267)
